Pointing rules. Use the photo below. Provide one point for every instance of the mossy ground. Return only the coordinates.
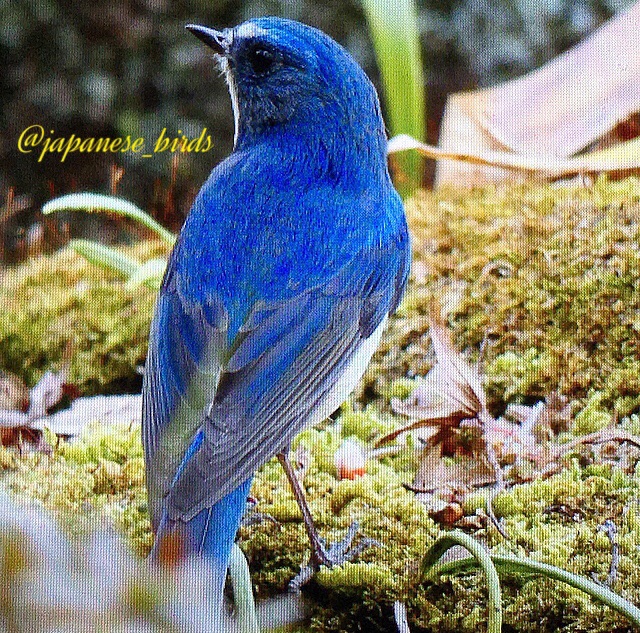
(540, 284)
(61, 299)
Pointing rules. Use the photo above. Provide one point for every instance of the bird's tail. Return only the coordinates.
(210, 535)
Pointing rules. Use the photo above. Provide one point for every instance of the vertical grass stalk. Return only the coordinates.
(396, 39)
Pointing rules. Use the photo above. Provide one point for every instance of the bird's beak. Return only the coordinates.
(215, 39)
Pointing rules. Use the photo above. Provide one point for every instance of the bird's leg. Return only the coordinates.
(317, 545)
(321, 555)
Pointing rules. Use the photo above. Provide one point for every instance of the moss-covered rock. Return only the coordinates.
(98, 477)
(545, 279)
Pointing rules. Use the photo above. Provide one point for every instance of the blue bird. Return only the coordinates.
(279, 286)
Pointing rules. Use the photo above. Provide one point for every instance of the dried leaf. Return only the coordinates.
(14, 395)
(83, 411)
(430, 430)
(461, 382)
(431, 400)
(12, 419)
(622, 157)
(546, 165)
(514, 442)
(575, 98)
(451, 392)
(566, 106)
(450, 480)
(447, 515)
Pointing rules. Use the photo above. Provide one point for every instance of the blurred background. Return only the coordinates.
(128, 67)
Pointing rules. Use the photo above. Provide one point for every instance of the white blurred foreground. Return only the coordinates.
(51, 583)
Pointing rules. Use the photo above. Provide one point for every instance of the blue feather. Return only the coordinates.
(211, 532)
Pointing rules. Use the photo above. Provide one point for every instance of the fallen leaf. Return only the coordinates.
(83, 411)
(46, 393)
(14, 394)
(451, 392)
(566, 106)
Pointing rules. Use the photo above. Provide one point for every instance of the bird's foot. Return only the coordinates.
(334, 554)
(253, 517)
(342, 551)
(256, 518)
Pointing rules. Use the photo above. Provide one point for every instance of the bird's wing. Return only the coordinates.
(282, 365)
(187, 347)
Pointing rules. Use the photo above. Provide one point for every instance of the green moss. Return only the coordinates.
(82, 482)
(545, 276)
(365, 425)
(356, 577)
(516, 374)
(100, 473)
(400, 388)
(592, 418)
(61, 299)
(543, 279)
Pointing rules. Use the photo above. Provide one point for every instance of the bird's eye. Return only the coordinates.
(261, 59)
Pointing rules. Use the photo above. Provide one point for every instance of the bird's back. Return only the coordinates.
(263, 228)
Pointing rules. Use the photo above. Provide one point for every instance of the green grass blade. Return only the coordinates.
(511, 564)
(242, 592)
(481, 557)
(91, 202)
(396, 39)
(150, 273)
(105, 256)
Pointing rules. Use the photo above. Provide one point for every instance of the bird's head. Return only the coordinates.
(282, 73)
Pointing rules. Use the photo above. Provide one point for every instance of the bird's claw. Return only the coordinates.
(335, 554)
(342, 551)
(253, 517)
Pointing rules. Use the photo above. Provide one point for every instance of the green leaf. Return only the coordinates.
(105, 256)
(511, 564)
(243, 592)
(150, 273)
(480, 557)
(91, 202)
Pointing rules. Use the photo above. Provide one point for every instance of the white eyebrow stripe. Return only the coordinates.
(248, 31)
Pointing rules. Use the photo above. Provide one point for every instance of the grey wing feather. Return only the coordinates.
(253, 418)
